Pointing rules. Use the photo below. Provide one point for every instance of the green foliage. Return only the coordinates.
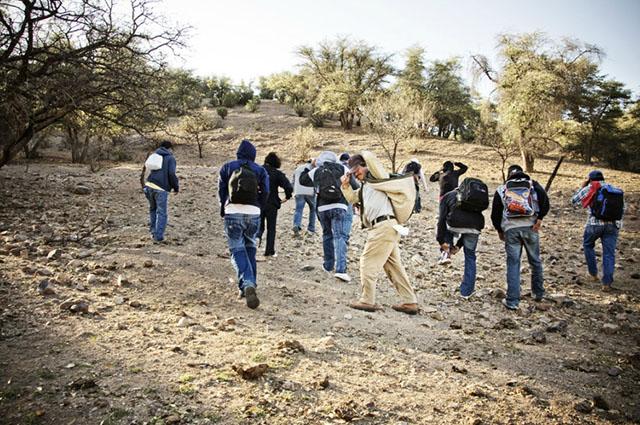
(341, 75)
(230, 99)
(184, 91)
(411, 80)
(195, 125)
(304, 139)
(222, 112)
(266, 91)
(253, 104)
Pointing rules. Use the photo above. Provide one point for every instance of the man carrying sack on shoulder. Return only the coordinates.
(385, 203)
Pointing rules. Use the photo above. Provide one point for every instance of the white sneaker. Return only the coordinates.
(444, 258)
(343, 277)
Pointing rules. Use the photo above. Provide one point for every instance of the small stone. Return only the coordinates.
(307, 268)
(584, 406)
(610, 328)
(80, 307)
(348, 316)
(92, 279)
(455, 325)
(184, 322)
(635, 276)
(539, 337)
(148, 263)
(135, 304)
(118, 300)
(123, 281)
(506, 323)
(437, 316)
(614, 371)
(53, 254)
(498, 293)
(45, 289)
(324, 384)
(66, 304)
(559, 326)
(122, 327)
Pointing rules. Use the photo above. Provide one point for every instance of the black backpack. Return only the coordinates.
(608, 204)
(243, 185)
(327, 182)
(473, 195)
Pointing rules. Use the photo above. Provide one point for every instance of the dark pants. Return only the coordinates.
(270, 216)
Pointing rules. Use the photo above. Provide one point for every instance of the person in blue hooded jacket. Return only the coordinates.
(243, 188)
(157, 187)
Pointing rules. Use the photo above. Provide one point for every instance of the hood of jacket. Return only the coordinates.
(519, 175)
(163, 152)
(246, 151)
(326, 156)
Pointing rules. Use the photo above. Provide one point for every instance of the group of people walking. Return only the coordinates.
(336, 188)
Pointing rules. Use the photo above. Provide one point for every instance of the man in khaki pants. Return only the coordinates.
(383, 204)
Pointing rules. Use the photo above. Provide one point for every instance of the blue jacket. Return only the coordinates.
(166, 176)
(246, 154)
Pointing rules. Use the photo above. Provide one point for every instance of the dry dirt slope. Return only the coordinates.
(164, 337)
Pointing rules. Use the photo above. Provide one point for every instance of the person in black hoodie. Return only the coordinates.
(453, 221)
(448, 176)
(269, 213)
(156, 189)
(518, 208)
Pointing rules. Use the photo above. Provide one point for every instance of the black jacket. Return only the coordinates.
(497, 207)
(461, 219)
(448, 179)
(307, 179)
(277, 179)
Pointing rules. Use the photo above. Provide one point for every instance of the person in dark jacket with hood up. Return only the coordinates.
(453, 221)
(448, 176)
(277, 179)
(156, 189)
(243, 188)
(518, 208)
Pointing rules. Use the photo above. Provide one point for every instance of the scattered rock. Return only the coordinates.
(559, 326)
(584, 406)
(461, 370)
(82, 384)
(92, 279)
(45, 289)
(135, 304)
(148, 263)
(635, 276)
(610, 328)
(455, 325)
(437, 316)
(253, 372)
(54, 254)
(614, 371)
(324, 384)
(185, 322)
(80, 189)
(539, 337)
(80, 307)
(291, 346)
(123, 281)
(506, 323)
(118, 300)
(307, 268)
(66, 304)
(498, 293)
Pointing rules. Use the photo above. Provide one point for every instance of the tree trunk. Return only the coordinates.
(199, 142)
(528, 160)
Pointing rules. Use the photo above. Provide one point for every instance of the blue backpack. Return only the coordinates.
(608, 203)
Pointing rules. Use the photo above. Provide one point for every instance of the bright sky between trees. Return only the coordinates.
(245, 39)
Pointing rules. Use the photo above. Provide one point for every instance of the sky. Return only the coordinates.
(245, 39)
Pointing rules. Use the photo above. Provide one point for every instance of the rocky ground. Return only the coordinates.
(100, 326)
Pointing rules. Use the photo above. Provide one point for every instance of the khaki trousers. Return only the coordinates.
(381, 252)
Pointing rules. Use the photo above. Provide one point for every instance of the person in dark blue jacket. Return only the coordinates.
(243, 188)
(157, 187)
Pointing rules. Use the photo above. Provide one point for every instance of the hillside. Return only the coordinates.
(159, 334)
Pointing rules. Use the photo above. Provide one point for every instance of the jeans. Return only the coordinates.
(608, 235)
(514, 240)
(469, 243)
(241, 231)
(270, 216)
(301, 200)
(348, 222)
(418, 205)
(158, 200)
(334, 240)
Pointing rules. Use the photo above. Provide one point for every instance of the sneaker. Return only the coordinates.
(327, 271)
(467, 297)
(593, 277)
(509, 307)
(296, 231)
(252, 298)
(538, 298)
(343, 277)
(607, 288)
(240, 294)
(444, 258)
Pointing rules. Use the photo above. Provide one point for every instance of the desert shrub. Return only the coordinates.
(252, 105)
(120, 154)
(231, 99)
(222, 112)
(304, 140)
(299, 108)
(317, 120)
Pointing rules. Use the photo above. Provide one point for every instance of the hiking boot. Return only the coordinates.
(343, 277)
(508, 306)
(408, 308)
(296, 231)
(607, 288)
(454, 250)
(538, 298)
(593, 277)
(467, 297)
(252, 298)
(365, 307)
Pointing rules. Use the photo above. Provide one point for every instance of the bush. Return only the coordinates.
(304, 140)
(222, 112)
(229, 100)
(252, 105)
(299, 108)
(317, 120)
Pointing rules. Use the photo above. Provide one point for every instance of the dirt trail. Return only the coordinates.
(166, 341)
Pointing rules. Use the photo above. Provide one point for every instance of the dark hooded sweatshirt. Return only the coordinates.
(448, 179)
(277, 179)
(166, 176)
(246, 154)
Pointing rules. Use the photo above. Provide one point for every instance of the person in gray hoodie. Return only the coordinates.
(332, 210)
(303, 195)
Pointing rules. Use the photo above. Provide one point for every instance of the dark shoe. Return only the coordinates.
(607, 288)
(365, 307)
(538, 298)
(406, 308)
(252, 298)
(508, 306)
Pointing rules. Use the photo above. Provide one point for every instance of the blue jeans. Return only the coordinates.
(158, 200)
(469, 243)
(301, 200)
(241, 231)
(334, 239)
(348, 222)
(608, 235)
(514, 240)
